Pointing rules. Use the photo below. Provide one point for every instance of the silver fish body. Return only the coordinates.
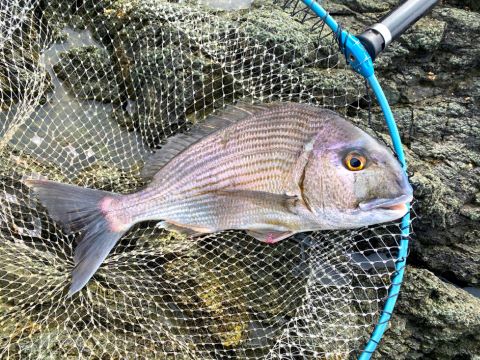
(273, 170)
(241, 177)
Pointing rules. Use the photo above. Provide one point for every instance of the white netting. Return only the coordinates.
(88, 89)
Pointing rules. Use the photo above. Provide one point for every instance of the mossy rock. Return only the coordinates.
(334, 87)
(432, 318)
(282, 36)
(88, 73)
(425, 36)
(203, 290)
(20, 71)
(109, 178)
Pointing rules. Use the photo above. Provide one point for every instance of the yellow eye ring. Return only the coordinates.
(355, 161)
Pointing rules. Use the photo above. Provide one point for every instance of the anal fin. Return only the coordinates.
(270, 236)
(179, 229)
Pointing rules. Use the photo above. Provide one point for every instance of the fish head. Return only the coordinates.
(352, 180)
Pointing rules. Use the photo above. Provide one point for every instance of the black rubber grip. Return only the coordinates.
(373, 42)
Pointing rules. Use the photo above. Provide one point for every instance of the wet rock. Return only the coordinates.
(433, 319)
(26, 165)
(173, 75)
(167, 242)
(433, 87)
(425, 36)
(55, 15)
(459, 53)
(234, 281)
(168, 73)
(20, 69)
(202, 293)
(87, 73)
(170, 84)
(291, 41)
(36, 338)
(465, 4)
(227, 4)
(333, 87)
(104, 176)
(446, 179)
(362, 6)
(431, 80)
(230, 291)
(443, 154)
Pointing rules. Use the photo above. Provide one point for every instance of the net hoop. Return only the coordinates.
(351, 47)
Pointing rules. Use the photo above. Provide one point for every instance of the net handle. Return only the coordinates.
(378, 36)
(360, 60)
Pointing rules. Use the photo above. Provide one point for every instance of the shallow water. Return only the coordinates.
(227, 4)
(475, 291)
(56, 132)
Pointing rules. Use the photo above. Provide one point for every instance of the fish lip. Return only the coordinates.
(393, 204)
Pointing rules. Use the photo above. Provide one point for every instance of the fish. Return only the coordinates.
(272, 170)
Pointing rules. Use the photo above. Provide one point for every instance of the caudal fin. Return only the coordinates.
(80, 209)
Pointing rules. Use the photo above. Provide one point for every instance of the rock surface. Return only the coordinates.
(433, 319)
(437, 112)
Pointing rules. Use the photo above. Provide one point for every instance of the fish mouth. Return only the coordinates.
(396, 204)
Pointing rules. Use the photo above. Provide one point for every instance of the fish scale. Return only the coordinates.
(271, 170)
(260, 160)
(250, 148)
(244, 141)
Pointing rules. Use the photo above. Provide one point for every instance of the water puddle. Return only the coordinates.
(73, 133)
(473, 291)
(227, 4)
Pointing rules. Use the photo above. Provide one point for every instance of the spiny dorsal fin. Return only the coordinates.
(221, 119)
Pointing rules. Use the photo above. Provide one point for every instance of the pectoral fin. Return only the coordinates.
(262, 198)
(270, 236)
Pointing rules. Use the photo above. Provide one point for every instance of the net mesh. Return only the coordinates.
(88, 90)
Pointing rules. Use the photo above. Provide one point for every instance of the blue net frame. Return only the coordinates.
(360, 61)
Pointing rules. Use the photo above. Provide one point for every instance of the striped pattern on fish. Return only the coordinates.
(272, 170)
(256, 154)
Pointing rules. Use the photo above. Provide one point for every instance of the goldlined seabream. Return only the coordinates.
(272, 170)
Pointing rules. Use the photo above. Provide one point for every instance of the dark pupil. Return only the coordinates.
(355, 163)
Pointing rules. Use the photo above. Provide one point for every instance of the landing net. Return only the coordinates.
(88, 90)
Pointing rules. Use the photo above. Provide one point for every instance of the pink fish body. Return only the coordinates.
(271, 170)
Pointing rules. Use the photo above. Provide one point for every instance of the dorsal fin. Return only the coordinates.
(221, 119)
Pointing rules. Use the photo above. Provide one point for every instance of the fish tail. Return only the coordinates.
(87, 211)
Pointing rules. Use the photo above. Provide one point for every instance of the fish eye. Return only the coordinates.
(355, 161)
